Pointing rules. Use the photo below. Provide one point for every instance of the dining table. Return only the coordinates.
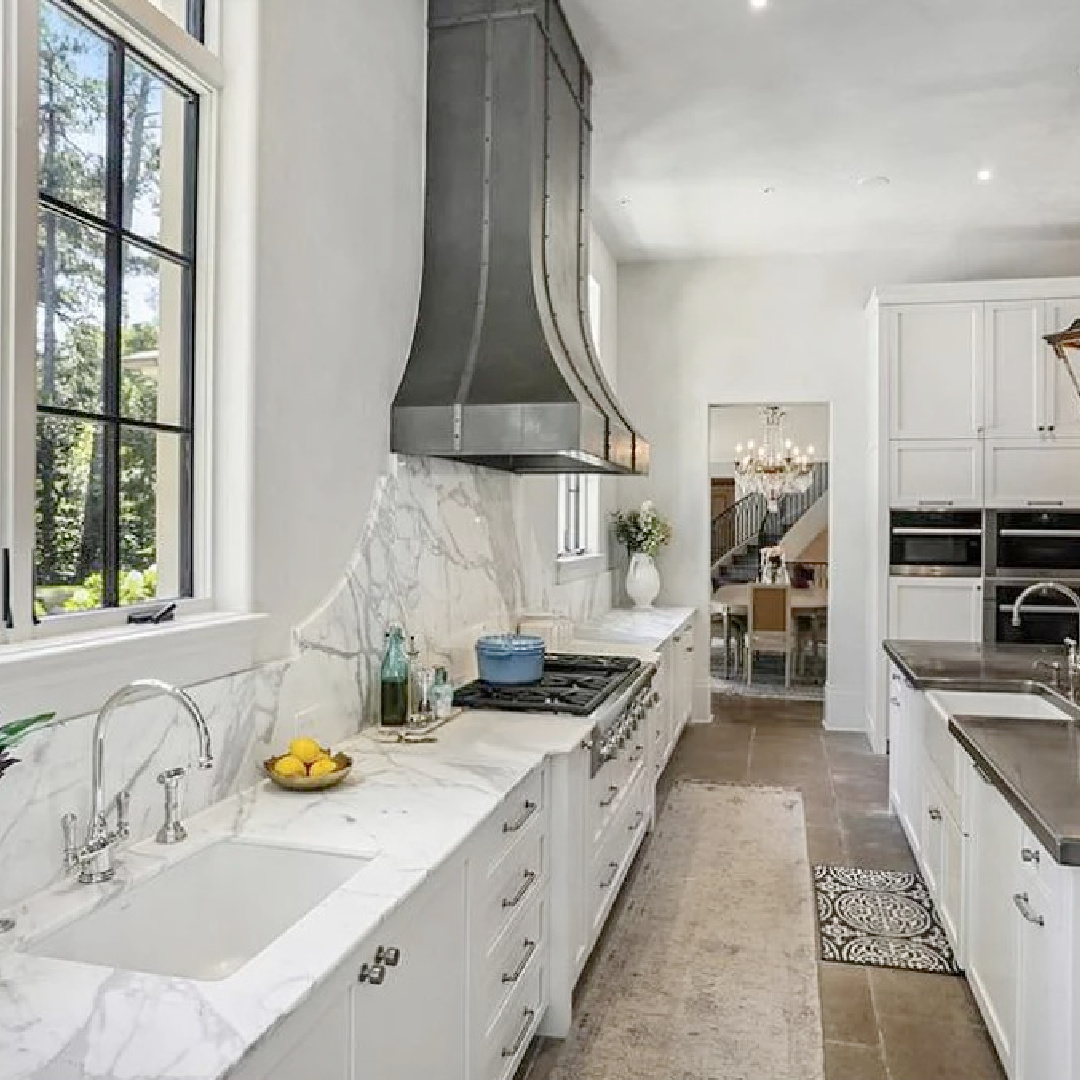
(734, 598)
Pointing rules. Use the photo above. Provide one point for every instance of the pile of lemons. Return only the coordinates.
(305, 758)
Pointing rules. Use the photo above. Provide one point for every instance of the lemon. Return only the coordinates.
(289, 765)
(322, 767)
(307, 750)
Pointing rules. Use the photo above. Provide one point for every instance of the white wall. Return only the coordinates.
(340, 239)
(792, 329)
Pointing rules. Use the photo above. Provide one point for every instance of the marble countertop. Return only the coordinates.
(407, 807)
(649, 627)
(941, 665)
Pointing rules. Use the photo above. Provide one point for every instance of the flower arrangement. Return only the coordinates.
(642, 530)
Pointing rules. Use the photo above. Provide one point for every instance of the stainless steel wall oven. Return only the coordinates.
(936, 543)
(1034, 543)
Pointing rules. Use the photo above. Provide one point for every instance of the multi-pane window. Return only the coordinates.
(117, 157)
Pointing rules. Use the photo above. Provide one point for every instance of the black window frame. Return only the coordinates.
(116, 236)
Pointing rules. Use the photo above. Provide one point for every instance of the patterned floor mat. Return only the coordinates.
(880, 917)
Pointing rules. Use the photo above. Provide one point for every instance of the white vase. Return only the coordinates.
(642, 580)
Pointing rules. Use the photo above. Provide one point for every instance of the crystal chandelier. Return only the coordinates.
(775, 468)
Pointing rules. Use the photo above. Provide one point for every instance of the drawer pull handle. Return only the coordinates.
(527, 1016)
(638, 818)
(613, 869)
(609, 798)
(514, 826)
(523, 963)
(1029, 855)
(935, 813)
(526, 885)
(1020, 899)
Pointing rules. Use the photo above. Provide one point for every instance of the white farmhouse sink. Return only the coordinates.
(1021, 706)
(206, 916)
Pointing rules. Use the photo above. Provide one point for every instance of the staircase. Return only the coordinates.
(742, 530)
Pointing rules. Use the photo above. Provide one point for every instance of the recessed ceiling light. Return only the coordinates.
(873, 181)
(984, 176)
(768, 191)
(759, 5)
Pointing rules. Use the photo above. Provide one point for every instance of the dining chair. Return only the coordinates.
(770, 627)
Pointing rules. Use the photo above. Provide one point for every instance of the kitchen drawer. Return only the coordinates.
(522, 947)
(523, 808)
(612, 855)
(509, 1037)
(518, 879)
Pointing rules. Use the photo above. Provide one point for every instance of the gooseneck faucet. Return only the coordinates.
(94, 859)
(1041, 587)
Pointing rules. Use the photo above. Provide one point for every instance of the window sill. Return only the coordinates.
(72, 675)
(574, 567)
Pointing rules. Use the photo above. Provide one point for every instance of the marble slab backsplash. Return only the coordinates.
(446, 550)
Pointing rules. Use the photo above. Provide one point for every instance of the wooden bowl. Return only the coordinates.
(310, 783)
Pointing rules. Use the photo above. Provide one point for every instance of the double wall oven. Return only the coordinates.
(1025, 546)
(936, 543)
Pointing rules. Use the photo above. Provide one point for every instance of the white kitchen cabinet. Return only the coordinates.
(935, 609)
(1033, 473)
(941, 852)
(314, 1045)
(905, 754)
(993, 926)
(935, 473)
(1062, 415)
(413, 1023)
(1016, 368)
(683, 668)
(934, 364)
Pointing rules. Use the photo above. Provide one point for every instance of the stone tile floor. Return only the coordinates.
(879, 1024)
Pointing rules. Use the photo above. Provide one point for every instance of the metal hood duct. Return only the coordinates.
(503, 371)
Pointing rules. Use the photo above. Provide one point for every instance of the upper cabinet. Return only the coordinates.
(935, 368)
(1016, 368)
(1062, 401)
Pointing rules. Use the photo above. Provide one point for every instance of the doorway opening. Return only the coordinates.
(769, 549)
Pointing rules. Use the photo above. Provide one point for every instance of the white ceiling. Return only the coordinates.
(701, 104)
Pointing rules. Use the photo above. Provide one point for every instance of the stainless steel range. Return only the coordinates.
(614, 691)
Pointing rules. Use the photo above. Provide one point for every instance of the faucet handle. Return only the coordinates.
(70, 824)
(123, 819)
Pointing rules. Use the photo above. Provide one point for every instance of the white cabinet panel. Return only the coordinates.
(905, 754)
(1044, 473)
(425, 987)
(321, 1053)
(1062, 402)
(935, 609)
(992, 925)
(935, 363)
(929, 473)
(1015, 368)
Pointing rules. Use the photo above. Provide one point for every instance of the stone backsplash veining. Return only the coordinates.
(447, 549)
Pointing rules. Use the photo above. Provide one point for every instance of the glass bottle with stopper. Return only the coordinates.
(394, 680)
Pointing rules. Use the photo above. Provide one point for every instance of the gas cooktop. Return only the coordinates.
(577, 685)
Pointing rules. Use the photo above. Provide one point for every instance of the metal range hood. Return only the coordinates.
(503, 371)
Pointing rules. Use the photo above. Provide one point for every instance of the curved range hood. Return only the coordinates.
(503, 371)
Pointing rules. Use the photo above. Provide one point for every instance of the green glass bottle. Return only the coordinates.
(394, 680)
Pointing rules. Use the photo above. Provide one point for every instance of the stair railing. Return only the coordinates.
(737, 526)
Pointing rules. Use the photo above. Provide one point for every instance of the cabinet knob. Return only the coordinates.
(371, 973)
(391, 956)
(935, 813)
(1029, 855)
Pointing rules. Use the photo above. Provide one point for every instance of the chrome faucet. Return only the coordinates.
(94, 858)
(1072, 666)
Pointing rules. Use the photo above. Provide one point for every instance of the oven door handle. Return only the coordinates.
(1041, 609)
(918, 530)
(1041, 534)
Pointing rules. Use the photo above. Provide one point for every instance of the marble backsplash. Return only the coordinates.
(447, 550)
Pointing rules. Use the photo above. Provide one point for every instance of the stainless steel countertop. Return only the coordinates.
(1035, 764)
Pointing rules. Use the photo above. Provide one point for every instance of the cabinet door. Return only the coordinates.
(316, 1048)
(935, 473)
(935, 609)
(413, 1024)
(1043, 1040)
(1062, 413)
(950, 898)
(929, 827)
(992, 928)
(935, 363)
(1045, 473)
(1015, 368)
(905, 751)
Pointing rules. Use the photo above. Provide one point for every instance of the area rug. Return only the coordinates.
(884, 918)
(708, 968)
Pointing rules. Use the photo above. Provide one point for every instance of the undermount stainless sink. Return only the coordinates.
(206, 916)
(1019, 704)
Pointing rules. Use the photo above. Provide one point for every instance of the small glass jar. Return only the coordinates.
(442, 695)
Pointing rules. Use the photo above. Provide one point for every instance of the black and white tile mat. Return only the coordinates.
(880, 917)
